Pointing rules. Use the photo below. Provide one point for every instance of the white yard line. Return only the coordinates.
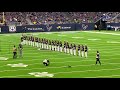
(70, 72)
(72, 55)
(62, 35)
(76, 37)
(61, 67)
(41, 63)
(14, 76)
(75, 65)
(59, 58)
(102, 33)
(88, 71)
(102, 76)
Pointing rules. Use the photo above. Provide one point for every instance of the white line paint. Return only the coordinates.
(102, 33)
(3, 58)
(72, 55)
(94, 39)
(63, 67)
(80, 58)
(112, 42)
(102, 76)
(61, 35)
(88, 71)
(77, 37)
(69, 31)
(72, 72)
(41, 62)
(77, 65)
(14, 76)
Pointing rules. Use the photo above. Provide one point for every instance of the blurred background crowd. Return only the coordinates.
(37, 18)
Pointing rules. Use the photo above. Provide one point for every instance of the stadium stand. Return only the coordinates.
(37, 18)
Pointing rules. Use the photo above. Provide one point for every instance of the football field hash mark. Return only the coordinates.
(3, 58)
(112, 42)
(94, 39)
(42, 74)
(102, 33)
(61, 35)
(17, 65)
(77, 37)
(48, 33)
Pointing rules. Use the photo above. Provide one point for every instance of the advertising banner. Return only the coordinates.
(12, 28)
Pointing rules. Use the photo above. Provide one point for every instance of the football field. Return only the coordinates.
(106, 42)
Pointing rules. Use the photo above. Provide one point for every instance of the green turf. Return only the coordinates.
(80, 67)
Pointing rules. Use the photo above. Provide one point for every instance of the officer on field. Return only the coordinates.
(14, 52)
(20, 48)
(98, 58)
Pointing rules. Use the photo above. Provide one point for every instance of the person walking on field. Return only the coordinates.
(98, 58)
(14, 52)
(20, 48)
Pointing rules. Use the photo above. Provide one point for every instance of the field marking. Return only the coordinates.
(17, 65)
(83, 59)
(112, 42)
(77, 57)
(41, 74)
(88, 71)
(3, 58)
(69, 72)
(7, 35)
(61, 35)
(14, 76)
(62, 67)
(102, 33)
(61, 58)
(56, 52)
(31, 47)
(41, 62)
(76, 65)
(63, 32)
(102, 76)
(77, 37)
(94, 39)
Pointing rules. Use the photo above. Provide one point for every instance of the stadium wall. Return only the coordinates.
(112, 26)
(47, 28)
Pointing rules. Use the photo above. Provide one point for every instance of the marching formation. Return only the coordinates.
(55, 45)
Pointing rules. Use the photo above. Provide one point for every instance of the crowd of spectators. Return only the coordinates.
(37, 18)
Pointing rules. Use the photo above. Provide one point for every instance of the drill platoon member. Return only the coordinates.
(22, 39)
(74, 49)
(71, 49)
(67, 47)
(49, 44)
(42, 43)
(37, 42)
(86, 51)
(82, 50)
(60, 46)
(55, 45)
(28, 40)
(79, 52)
(52, 45)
